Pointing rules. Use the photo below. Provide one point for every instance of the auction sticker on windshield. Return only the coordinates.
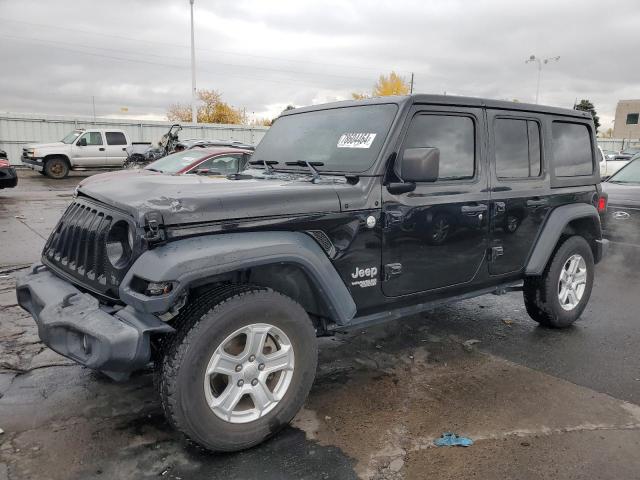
(356, 140)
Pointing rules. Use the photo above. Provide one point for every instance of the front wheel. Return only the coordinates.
(558, 297)
(57, 168)
(239, 368)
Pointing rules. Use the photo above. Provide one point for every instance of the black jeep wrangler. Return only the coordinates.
(351, 213)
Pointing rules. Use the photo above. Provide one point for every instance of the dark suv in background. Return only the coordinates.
(352, 213)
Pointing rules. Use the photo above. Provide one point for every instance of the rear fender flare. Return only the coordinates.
(552, 231)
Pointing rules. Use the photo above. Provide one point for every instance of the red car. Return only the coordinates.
(201, 161)
(8, 175)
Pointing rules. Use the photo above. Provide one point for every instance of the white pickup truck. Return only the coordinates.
(80, 149)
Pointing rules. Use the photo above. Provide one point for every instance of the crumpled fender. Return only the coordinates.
(192, 259)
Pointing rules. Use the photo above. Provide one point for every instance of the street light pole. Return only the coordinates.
(540, 63)
(194, 114)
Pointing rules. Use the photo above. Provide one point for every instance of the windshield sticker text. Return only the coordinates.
(356, 140)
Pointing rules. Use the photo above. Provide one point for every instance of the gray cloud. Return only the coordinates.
(263, 55)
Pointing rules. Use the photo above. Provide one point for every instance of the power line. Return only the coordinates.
(212, 62)
(175, 45)
(168, 65)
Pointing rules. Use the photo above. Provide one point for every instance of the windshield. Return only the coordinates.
(177, 161)
(70, 138)
(628, 174)
(346, 139)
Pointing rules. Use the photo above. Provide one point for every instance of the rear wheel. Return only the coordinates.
(56, 168)
(558, 297)
(239, 368)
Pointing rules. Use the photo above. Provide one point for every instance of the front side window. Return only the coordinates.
(223, 165)
(632, 118)
(92, 138)
(629, 174)
(572, 153)
(453, 135)
(517, 148)
(116, 138)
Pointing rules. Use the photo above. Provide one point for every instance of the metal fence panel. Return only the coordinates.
(17, 130)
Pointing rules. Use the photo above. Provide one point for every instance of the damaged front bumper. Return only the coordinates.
(76, 325)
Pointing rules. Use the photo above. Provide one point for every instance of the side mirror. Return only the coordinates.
(202, 171)
(82, 142)
(420, 164)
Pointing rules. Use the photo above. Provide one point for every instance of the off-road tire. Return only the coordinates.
(541, 292)
(57, 168)
(201, 327)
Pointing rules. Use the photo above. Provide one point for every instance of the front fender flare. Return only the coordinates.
(552, 230)
(192, 259)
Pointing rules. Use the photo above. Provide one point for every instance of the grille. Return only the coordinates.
(77, 248)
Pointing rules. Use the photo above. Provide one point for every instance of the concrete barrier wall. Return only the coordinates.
(17, 130)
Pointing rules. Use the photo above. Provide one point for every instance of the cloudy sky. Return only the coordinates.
(263, 55)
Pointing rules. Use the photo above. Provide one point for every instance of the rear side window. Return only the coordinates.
(453, 135)
(116, 138)
(517, 148)
(572, 153)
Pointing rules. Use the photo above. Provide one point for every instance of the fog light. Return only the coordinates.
(155, 289)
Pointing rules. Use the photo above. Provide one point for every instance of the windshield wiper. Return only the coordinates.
(153, 170)
(267, 164)
(310, 165)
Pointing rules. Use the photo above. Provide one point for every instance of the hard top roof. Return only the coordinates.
(447, 100)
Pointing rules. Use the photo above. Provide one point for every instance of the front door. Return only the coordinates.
(519, 188)
(91, 154)
(436, 236)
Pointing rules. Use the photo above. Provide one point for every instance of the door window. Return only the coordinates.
(517, 148)
(219, 165)
(572, 153)
(92, 138)
(453, 135)
(116, 138)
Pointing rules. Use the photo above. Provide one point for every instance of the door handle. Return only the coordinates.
(124, 149)
(537, 203)
(471, 209)
(101, 149)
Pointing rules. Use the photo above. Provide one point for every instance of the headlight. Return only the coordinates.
(120, 244)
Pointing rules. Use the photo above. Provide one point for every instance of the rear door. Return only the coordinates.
(116, 148)
(436, 236)
(520, 188)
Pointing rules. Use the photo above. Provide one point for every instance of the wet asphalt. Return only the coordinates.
(539, 403)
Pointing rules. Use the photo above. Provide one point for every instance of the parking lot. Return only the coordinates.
(537, 403)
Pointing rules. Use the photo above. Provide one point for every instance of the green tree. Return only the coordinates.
(586, 106)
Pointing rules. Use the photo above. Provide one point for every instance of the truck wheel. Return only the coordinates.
(239, 368)
(558, 297)
(56, 168)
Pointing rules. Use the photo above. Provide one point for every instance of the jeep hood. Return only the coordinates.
(183, 199)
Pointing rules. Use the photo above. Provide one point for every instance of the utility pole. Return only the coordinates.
(411, 88)
(540, 63)
(194, 113)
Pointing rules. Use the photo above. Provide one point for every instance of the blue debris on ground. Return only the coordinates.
(449, 439)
